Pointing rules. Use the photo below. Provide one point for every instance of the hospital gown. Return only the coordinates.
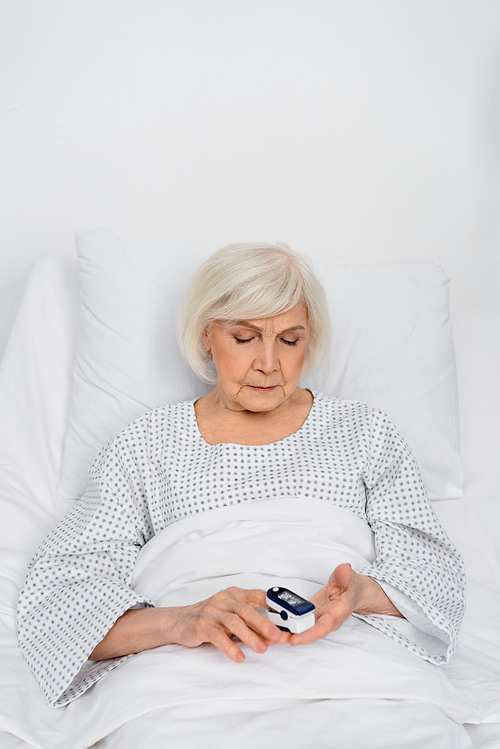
(160, 470)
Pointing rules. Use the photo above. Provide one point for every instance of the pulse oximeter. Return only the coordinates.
(289, 611)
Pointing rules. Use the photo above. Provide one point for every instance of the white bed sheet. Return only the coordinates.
(37, 336)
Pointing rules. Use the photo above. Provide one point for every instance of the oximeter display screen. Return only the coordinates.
(288, 600)
(292, 598)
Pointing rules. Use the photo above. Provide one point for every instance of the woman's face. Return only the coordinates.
(259, 362)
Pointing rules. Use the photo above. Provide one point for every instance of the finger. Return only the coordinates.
(245, 604)
(252, 627)
(329, 619)
(259, 622)
(281, 638)
(340, 576)
(321, 629)
(224, 643)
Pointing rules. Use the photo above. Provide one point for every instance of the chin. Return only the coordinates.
(255, 400)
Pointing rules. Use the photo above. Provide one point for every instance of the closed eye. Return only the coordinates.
(247, 340)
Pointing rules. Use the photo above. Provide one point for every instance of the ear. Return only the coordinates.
(206, 340)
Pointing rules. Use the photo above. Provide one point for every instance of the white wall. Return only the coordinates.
(362, 130)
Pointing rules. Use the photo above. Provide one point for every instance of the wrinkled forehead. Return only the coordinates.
(295, 319)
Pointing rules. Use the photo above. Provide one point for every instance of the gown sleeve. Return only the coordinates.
(78, 580)
(416, 563)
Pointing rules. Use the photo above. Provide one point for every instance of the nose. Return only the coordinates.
(267, 360)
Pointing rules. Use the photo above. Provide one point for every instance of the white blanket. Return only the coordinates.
(297, 544)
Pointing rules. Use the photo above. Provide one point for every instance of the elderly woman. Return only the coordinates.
(256, 316)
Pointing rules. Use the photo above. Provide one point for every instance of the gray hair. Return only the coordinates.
(251, 281)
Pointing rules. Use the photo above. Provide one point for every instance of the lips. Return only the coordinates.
(260, 389)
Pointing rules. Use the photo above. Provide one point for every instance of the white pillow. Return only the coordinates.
(392, 347)
(477, 343)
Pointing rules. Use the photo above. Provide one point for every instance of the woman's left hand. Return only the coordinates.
(346, 593)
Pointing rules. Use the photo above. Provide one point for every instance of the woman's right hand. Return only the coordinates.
(227, 614)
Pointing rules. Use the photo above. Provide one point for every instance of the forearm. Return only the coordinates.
(136, 630)
(228, 613)
(417, 625)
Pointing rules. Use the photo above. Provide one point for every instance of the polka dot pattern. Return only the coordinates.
(160, 470)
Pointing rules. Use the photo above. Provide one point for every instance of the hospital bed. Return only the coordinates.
(87, 345)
